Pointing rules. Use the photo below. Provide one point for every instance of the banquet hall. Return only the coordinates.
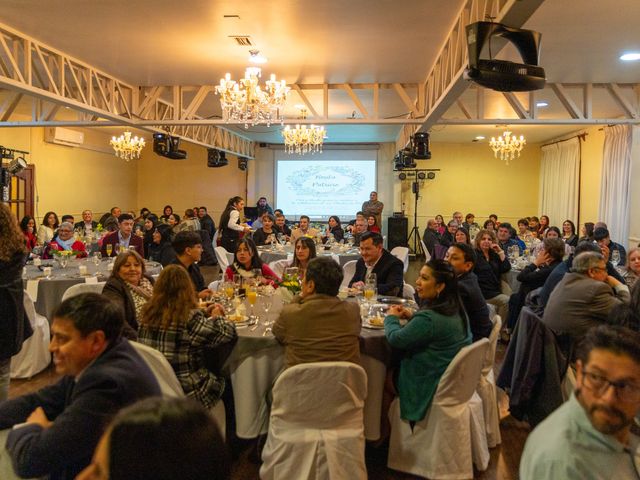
(77, 75)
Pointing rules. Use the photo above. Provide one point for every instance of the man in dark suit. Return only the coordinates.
(317, 326)
(206, 222)
(375, 259)
(462, 259)
(431, 237)
(123, 237)
(56, 429)
(87, 225)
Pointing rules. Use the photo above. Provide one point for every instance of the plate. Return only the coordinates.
(366, 324)
(241, 321)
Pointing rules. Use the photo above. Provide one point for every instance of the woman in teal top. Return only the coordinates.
(430, 340)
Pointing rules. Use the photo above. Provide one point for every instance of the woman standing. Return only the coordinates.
(28, 227)
(230, 226)
(47, 230)
(491, 263)
(130, 287)
(14, 324)
(430, 340)
(173, 324)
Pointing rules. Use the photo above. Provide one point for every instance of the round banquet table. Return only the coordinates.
(47, 293)
(268, 255)
(258, 358)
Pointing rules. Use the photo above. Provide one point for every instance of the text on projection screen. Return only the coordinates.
(324, 187)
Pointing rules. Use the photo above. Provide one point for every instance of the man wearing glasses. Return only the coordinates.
(584, 297)
(589, 437)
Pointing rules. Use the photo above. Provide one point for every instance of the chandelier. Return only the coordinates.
(127, 147)
(508, 146)
(244, 101)
(303, 139)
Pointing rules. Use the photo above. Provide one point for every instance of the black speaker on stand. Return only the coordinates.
(397, 232)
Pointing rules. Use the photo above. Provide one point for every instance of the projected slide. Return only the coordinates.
(324, 187)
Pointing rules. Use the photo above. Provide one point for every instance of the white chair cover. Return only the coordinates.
(316, 425)
(349, 270)
(278, 266)
(568, 383)
(79, 288)
(408, 291)
(162, 370)
(214, 240)
(451, 436)
(402, 253)
(34, 355)
(427, 255)
(224, 258)
(213, 286)
(487, 388)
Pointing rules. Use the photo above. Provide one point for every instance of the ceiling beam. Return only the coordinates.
(539, 121)
(445, 82)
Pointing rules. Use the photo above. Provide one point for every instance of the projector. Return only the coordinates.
(167, 146)
(503, 75)
(216, 158)
(403, 159)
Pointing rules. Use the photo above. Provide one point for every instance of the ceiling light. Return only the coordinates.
(127, 147)
(542, 104)
(480, 137)
(255, 57)
(245, 101)
(508, 146)
(630, 57)
(303, 139)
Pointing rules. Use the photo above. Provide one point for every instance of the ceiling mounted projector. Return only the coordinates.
(502, 75)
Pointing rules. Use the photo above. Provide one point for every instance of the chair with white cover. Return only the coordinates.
(487, 387)
(427, 255)
(408, 291)
(79, 288)
(214, 240)
(316, 428)
(451, 437)
(349, 270)
(401, 253)
(169, 383)
(224, 258)
(34, 355)
(278, 266)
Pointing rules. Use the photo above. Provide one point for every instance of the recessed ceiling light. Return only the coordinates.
(542, 104)
(480, 137)
(255, 57)
(630, 57)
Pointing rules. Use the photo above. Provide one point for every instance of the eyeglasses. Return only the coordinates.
(598, 384)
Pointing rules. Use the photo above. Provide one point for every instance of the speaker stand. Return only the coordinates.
(415, 232)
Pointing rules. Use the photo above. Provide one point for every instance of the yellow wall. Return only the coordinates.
(591, 174)
(472, 180)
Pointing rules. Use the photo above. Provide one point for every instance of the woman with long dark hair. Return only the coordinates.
(14, 324)
(161, 250)
(28, 227)
(431, 338)
(587, 232)
(246, 260)
(149, 226)
(166, 211)
(491, 263)
(230, 226)
(334, 227)
(173, 324)
(47, 230)
(569, 233)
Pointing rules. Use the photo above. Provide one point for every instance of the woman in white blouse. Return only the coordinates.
(47, 230)
(230, 226)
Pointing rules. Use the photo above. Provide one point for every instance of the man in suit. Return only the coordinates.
(317, 326)
(584, 298)
(462, 259)
(123, 237)
(54, 431)
(87, 225)
(375, 259)
(431, 237)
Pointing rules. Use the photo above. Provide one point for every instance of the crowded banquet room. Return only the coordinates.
(319, 240)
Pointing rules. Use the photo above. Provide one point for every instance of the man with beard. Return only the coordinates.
(589, 436)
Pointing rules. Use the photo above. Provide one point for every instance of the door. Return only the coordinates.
(21, 198)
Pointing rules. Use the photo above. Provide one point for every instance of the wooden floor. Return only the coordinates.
(504, 459)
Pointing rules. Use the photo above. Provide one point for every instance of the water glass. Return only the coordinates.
(47, 272)
(96, 258)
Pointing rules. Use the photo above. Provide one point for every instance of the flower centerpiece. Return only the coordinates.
(289, 287)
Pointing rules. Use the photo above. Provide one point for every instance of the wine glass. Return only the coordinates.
(109, 249)
(267, 302)
(96, 259)
(252, 295)
(63, 260)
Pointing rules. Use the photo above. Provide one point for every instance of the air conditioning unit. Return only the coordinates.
(63, 136)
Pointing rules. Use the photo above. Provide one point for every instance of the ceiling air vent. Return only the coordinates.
(242, 40)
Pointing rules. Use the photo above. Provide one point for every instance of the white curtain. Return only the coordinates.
(560, 181)
(614, 188)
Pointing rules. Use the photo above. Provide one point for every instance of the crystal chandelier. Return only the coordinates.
(303, 139)
(127, 147)
(508, 146)
(244, 101)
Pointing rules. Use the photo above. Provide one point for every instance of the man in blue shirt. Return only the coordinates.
(589, 437)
